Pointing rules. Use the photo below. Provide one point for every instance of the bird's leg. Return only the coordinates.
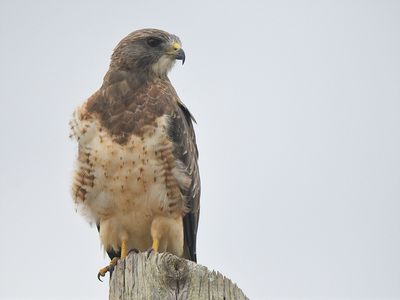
(124, 249)
(157, 230)
(155, 245)
(113, 262)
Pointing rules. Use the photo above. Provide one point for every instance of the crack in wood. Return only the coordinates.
(165, 276)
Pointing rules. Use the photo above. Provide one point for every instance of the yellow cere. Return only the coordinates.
(176, 46)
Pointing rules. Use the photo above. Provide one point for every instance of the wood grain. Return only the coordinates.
(165, 276)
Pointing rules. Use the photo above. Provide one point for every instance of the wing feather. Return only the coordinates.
(181, 133)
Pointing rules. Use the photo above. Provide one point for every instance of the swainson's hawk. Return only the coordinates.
(136, 175)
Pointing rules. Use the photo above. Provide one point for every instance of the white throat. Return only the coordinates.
(163, 65)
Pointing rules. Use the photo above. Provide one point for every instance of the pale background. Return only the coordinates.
(298, 109)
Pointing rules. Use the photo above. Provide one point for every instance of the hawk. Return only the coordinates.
(136, 174)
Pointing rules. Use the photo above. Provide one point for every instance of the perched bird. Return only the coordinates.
(136, 174)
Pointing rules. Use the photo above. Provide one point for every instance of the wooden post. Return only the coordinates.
(165, 276)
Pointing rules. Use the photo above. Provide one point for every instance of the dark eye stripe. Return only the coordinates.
(154, 42)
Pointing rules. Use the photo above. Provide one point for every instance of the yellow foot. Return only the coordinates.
(113, 262)
(109, 268)
(154, 247)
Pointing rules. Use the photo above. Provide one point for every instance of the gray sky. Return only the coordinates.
(298, 110)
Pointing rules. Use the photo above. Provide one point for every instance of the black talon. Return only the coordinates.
(149, 252)
(111, 269)
(133, 250)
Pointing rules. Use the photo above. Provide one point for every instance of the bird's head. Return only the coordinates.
(150, 51)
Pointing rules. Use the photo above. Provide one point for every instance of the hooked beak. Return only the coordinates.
(180, 55)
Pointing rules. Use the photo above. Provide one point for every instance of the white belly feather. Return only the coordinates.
(128, 189)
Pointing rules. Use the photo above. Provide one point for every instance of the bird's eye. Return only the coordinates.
(154, 42)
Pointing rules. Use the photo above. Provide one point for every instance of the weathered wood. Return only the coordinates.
(165, 276)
